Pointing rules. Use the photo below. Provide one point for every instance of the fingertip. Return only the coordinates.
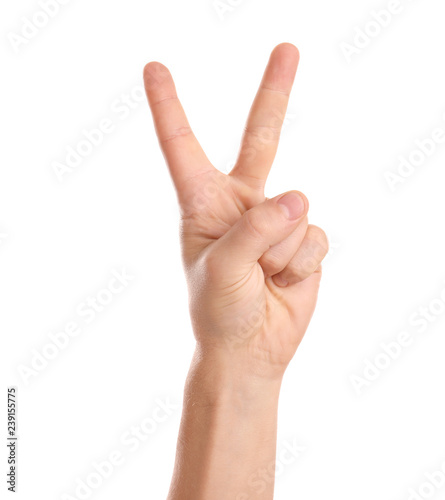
(287, 56)
(154, 73)
(279, 281)
(282, 67)
(287, 49)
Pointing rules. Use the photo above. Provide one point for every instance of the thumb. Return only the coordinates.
(258, 229)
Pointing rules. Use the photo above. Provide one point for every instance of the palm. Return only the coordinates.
(256, 310)
(251, 309)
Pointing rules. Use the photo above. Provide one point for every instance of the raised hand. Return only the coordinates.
(253, 265)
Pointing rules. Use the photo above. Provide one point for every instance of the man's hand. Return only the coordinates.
(252, 265)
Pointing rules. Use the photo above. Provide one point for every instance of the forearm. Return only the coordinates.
(227, 438)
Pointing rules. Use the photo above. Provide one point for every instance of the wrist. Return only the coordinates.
(228, 430)
(216, 379)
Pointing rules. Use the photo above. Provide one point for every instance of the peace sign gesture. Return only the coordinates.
(252, 265)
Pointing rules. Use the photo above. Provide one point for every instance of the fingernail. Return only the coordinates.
(292, 205)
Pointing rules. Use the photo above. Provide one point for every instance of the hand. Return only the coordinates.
(252, 264)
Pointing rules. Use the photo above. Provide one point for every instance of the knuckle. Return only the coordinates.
(175, 134)
(318, 240)
(308, 258)
(262, 134)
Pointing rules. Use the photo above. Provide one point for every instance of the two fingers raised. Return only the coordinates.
(182, 151)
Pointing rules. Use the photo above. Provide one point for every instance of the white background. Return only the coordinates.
(348, 123)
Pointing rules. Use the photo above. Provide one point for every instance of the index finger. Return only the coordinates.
(182, 151)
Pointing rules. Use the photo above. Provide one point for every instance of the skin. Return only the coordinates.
(253, 269)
